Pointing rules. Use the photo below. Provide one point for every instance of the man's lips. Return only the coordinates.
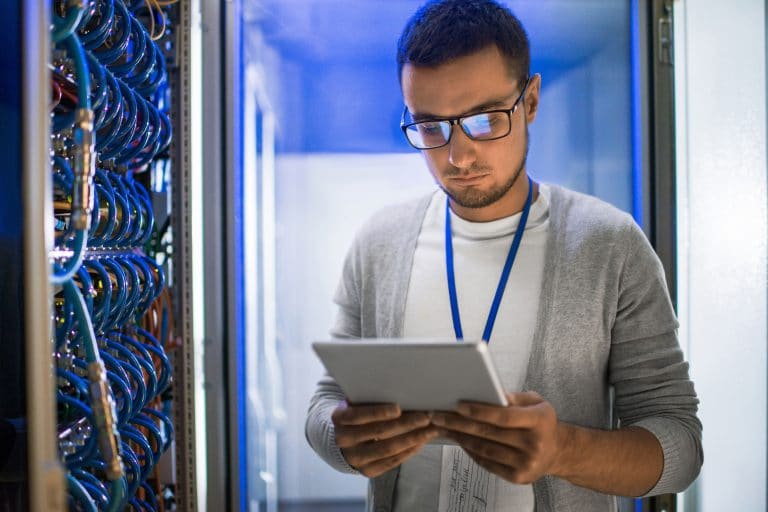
(467, 180)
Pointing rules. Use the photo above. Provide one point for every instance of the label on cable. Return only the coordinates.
(465, 486)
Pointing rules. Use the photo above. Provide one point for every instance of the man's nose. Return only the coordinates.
(461, 149)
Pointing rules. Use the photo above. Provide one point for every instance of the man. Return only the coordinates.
(584, 308)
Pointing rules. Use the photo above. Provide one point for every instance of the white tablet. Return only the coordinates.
(418, 375)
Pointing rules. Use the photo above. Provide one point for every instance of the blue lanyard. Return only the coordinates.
(504, 273)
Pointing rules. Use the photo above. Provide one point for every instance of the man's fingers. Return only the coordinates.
(379, 467)
(351, 435)
(504, 435)
(525, 398)
(513, 416)
(508, 473)
(361, 414)
(491, 450)
(363, 455)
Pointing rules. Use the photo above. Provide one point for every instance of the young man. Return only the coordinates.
(585, 307)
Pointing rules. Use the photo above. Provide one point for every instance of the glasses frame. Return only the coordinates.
(457, 121)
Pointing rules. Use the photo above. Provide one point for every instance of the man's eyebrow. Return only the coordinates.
(488, 105)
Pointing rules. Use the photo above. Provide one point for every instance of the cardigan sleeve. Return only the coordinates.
(647, 369)
(319, 428)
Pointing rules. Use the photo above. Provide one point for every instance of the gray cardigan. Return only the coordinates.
(605, 323)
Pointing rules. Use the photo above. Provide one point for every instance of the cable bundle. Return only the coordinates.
(113, 315)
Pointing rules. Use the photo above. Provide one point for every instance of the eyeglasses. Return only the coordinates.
(436, 133)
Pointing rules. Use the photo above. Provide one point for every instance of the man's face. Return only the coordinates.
(479, 176)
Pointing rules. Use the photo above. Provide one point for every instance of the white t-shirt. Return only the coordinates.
(480, 249)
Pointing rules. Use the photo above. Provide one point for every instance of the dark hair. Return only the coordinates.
(443, 30)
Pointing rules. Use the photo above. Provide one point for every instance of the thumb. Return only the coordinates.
(524, 399)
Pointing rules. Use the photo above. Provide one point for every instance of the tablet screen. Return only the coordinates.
(416, 374)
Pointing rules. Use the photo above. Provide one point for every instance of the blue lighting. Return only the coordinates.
(637, 120)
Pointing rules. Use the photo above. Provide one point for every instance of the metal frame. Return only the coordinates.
(662, 187)
(232, 75)
(216, 353)
(189, 400)
(46, 475)
(659, 176)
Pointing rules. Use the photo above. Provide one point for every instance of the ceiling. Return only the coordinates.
(353, 31)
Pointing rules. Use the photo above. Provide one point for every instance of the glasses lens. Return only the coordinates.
(488, 125)
(429, 134)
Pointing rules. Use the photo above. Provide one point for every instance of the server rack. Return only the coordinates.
(112, 165)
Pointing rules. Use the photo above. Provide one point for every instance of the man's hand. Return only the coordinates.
(525, 441)
(519, 443)
(377, 438)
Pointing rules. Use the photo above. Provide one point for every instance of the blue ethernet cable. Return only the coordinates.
(81, 496)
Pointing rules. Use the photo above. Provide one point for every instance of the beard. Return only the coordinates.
(473, 198)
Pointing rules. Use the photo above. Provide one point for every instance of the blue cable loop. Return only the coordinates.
(124, 214)
(148, 491)
(64, 272)
(145, 361)
(154, 433)
(165, 379)
(154, 346)
(80, 495)
(65, 27)
(95, 487)
(62, 168)
(147, 293)
(117, 494)
(159, 275)
(127, 124)
(95, 213)
(167, 425)
(132, 366)
(149, 225)
(132, 467)
(86, 288)
(64, 231)
(143, 69)
(139, 214)
(140, 136)
(105, 294)
(127, 121)
(118, 381)
(75, 381)
(64, 316)
(157, 78)
(145, 460)
(120, 290)
(101, 230)
(133, 291)
(137, 146)
(117, 42)
(138, 505)
(90, 8)
(82, 73)
(113, 108)
(136, 52)
(95, 36)
(100, 94)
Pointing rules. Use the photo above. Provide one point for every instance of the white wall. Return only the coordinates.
(321, 202)
(721, 123)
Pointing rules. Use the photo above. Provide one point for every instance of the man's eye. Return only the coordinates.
(430, 128)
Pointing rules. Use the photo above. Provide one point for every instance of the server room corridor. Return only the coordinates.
(183, 181)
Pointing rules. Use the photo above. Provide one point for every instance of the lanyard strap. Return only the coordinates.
(504, 273)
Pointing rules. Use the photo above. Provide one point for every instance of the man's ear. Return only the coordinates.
(532, 98)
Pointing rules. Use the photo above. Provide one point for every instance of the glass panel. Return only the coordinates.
(329, 75)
